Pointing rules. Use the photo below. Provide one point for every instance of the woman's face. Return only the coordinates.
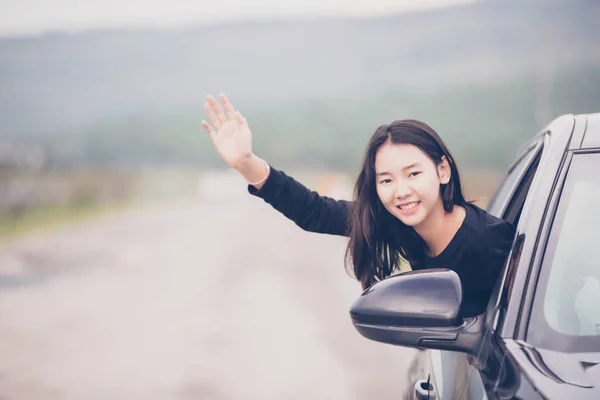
(408, 182)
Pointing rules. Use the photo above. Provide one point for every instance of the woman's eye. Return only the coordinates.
(386, 181)
(414, 173)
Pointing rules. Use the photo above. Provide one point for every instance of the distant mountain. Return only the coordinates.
(65, 82)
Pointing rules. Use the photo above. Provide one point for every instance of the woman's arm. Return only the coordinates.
(233, 141)
(309, 210)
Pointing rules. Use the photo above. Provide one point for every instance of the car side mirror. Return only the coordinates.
(418, 309)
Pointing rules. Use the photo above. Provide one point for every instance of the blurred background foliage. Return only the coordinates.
(486, 75)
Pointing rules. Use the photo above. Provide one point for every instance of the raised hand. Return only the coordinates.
(231, 134)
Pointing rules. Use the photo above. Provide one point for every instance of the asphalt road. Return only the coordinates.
(218, 297)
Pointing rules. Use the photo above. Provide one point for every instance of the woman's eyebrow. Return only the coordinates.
(413, 165)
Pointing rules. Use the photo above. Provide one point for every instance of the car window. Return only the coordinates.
(567, 302)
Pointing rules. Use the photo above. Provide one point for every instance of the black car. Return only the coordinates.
(540, 335)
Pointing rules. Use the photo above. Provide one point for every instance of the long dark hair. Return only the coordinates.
(378, 240)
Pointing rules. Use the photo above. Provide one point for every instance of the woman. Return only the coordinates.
(408, 205)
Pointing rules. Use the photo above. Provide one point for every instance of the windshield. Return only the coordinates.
(567, 304)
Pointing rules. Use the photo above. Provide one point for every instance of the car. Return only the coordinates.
(540, 335)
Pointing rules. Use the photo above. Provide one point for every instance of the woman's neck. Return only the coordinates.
(439, 229)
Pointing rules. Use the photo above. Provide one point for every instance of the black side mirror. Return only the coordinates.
(417, 309)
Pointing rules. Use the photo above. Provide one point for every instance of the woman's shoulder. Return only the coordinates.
(486, 225)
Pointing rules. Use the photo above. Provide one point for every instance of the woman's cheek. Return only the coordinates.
(384, 199)
(378, 190)
(381, 193)
(427, 187)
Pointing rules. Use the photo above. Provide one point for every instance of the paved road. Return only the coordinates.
(214, 298)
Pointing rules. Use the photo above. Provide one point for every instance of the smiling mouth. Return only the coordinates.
(409, 206)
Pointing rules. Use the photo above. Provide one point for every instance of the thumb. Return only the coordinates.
(209, 129)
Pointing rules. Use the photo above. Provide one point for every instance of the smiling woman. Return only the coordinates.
(408, 205)
(416, 183)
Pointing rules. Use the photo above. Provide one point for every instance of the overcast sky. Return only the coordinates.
(25, 17)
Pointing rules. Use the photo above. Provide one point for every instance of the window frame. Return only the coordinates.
(509, 208)
(504, 198)
(508, 303)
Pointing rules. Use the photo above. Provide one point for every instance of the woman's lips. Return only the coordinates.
(410, 210)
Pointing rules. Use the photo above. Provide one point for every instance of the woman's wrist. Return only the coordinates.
(259, 184)
(255, 170)
(244, 164)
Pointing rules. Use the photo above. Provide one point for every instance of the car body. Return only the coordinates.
(540, 335)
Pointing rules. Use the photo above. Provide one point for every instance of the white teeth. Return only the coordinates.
(409, 206)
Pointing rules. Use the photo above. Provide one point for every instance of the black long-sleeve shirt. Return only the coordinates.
(477, 252)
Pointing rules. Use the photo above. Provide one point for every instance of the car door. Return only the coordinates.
(507, 203)
(564, 321)
(556, 349)
(450, 374)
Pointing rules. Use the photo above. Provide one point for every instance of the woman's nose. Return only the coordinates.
(402, 190)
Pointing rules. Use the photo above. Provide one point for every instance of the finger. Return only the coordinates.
(228, 107)
(218, 110)
(239, 118)
(212, 116)
(209, 129)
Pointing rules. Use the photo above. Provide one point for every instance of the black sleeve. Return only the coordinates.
(309, 210)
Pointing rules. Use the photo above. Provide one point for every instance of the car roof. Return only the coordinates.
(591, 138)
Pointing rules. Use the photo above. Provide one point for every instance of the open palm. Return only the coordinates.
(231, 134)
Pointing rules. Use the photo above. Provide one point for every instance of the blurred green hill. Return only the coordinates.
(486, 75)
(484, 125)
